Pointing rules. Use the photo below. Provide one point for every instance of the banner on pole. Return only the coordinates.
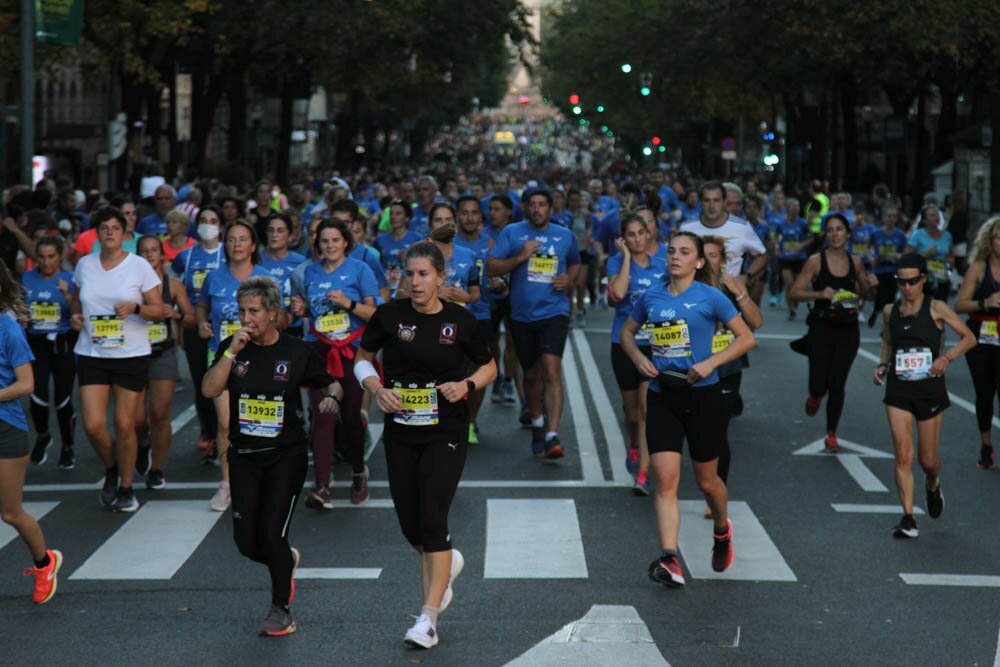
(58, 21)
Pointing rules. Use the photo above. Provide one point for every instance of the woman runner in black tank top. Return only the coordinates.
(979, 296)
(838, 281)
(914, 364)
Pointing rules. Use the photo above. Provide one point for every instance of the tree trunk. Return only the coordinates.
(835, 144)
(237, 149)
(346, 121)
(948, 120)
(848, 106)
(284, 132)
(920, 167)
(207, 92)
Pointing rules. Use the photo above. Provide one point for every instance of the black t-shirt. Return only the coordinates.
(264, 399)
(418, 352)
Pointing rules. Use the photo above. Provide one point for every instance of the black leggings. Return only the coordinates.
(984, 367)
(884, 294)
(729, 387)
(831, 350)
(196, 351)
(265, 487)
(54, 358)
(422, 481)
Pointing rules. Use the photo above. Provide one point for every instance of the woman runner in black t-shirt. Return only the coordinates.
(263, 370)
(427, 346)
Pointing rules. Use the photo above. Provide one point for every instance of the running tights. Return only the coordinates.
(265, 487)
(984, 366)
(831, 350)
(730, 383)
(196, 351)
(884, 295)
(349, 434)
(422, 482)
(54, 358)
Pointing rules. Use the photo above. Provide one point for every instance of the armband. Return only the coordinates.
(364, 370)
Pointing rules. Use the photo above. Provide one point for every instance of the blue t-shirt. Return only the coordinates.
(419, 222)
(224, 311)
(281, 270)
(885, 244)
(670, 201)
(681, 327)
(921, 241)
(353, 278)
(790, 237)
(606, 230)
(192, 265)
(532, 296)
(14, 352)
(157, 226)
(639, 280)
(763, 230)
(480, 249)
(860, 241)
(690, 213)
(392, 255)
(49, 310)
(372, 258)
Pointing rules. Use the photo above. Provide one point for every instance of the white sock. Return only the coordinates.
(550, 435)
(538, 422)
(431, 612)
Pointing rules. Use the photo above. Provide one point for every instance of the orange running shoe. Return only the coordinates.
(296, 557)
(46, 580)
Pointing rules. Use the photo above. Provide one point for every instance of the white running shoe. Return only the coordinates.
(221, 500)
(457, 563)
(422, 634)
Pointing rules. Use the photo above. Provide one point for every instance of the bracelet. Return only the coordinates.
(335, 397)
(741, 297)
(229, 355)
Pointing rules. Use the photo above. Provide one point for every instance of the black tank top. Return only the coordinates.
(987, 288)
(914, 339)
(736, 365)
(846, 283)
(168, 341)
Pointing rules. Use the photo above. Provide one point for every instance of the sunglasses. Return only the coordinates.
(908, 281)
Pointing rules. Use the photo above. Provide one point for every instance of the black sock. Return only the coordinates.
(668, 553)
(125, 490)
(721, 533)
(44, 562)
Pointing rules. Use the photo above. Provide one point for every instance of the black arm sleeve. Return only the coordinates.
(375, 334)
(315, 374)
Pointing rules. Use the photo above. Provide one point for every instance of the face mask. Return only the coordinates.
(444, 233)
(208, 232)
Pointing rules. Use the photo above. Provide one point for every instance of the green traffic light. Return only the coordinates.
(600, 108)
(577, 110)
(645, 91)
(626, 68)
(662, 149)
(647, 151)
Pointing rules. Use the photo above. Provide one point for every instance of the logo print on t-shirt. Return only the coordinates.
(406, 333)
(281, 370)
(240, 368)
(448, 332)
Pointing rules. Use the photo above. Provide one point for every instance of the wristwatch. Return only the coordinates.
(472, 388)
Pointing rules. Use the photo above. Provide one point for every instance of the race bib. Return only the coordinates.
(859, 248)
(198, 278)
(670, 339)
(887, 250)
(790, 247)
(542, 268)
(914, 364)
(45, 315)
(938, 269)
(845, 299)
(157, 332)
(107, 331)
(419, 405)
(261, 417)
(988, 333)
(228, 328)
(722, 340)
(334, 325)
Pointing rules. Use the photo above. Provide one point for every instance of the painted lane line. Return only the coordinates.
(818, 448)
(378, 484)
(533, 539)
(606, 635)
(338, 573)
(966, 405)
(855, 508)
(865, 478)
(963, 580)
(996, 656)
(590, 462)
(762, 336)
(181, 420)
(37, 510)
(605, 412)
(153, 544)
(757, 557)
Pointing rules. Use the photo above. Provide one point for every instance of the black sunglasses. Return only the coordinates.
(909, 281)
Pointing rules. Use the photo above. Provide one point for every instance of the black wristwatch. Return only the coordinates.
(138, 307)
(472, 387)
(335, 397)
(354, 304)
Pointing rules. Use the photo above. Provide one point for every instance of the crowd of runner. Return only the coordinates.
(422, 293)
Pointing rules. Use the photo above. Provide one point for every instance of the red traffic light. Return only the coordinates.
(656, 141)
(574, 99)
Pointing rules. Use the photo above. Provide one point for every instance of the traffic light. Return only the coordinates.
(645, 91)
(574, 99)
(767, 136)
(600, 108)
(646, 83)
(626, 68)
(771, 160)
(662, 149)
(577, 110)
(647, 151)
(656, 141)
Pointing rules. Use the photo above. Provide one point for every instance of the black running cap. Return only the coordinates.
(912, 260)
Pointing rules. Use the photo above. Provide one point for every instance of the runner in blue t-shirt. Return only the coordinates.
(279, 261)
(936, 247)
(791, 240)
(542, 260)
(684, 401)
(888, 242)
(392, 245)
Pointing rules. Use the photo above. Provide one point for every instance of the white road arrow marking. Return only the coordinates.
(818, 448)
(852, 462)
(857, 469)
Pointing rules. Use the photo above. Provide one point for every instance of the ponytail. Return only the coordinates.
(11, 294)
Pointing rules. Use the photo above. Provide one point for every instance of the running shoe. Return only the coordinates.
(205, 443)
(296, 557)
(525, 417)
(278, 623)
(791, 315)
(39, 453)
(906, 528)
(632, 461)
(221, 500)
(209, 456)
(110, 488)
(579, 321)
(125, 501)
(359, 487)
(155, 480)
(553, 448)
(509, 392)
(422, 634)
(830, 444)
(457, 563)
(319, 499)
(538, 441)
(473, 435)
(46, 580)
(812, 405)
(497, 392)
(773, 301)
(143, 460)
(642, 486)
(985, 458)
(67, 458)
(667, 571)
(935, 500)
(722, 549)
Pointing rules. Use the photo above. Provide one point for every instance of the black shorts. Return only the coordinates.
(533, 339)
(924, 399)
(695, 413)
(628, 376)
(793, 265)
(13, 441)
(130, 373)
(499, 313)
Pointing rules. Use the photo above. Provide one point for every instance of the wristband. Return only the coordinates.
(741, 297)
(137, 308)
(364, 370)
(354, 304)
(335, 397)
(229, 355)
(471, 386)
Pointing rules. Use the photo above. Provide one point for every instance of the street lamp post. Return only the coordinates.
(27, 90)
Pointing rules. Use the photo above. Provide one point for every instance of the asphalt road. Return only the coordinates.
(556, 553)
